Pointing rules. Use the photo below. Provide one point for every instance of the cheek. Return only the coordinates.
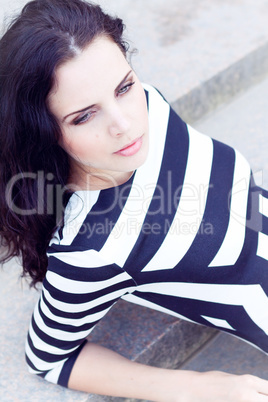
(72, 148)
(84, 147)
(66, 144)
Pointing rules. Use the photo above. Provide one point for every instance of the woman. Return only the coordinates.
(96, 202)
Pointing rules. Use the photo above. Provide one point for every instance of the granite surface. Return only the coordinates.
(243, 124)
(197, 53)
(158, 339)
(229, 354)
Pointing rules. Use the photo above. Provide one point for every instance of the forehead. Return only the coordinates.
(96, 69)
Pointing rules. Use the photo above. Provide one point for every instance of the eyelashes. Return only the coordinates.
(83, 118)
(125, 88)
(87, 116)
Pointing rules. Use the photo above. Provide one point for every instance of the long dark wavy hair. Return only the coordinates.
(34, 169)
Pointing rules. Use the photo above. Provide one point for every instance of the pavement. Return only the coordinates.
(210, 60)
(197, 53)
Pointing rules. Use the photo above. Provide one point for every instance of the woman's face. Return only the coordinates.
(101, 108)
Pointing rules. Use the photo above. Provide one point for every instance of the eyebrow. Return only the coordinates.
(91, 106)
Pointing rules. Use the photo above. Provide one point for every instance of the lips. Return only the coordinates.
(131, 149)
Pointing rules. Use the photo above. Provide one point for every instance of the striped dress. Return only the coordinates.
(187, 234)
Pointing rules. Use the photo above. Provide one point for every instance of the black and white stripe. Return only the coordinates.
(189, 238)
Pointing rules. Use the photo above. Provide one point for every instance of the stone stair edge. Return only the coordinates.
(223, 86)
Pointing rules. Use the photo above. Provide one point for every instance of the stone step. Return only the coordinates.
(231, 355)
(193, 52)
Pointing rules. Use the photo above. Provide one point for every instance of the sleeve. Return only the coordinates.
(72, 301)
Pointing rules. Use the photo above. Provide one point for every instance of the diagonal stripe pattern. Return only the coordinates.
(186, 235)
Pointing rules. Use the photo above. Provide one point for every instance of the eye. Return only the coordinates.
(125, 88)
(83, 119)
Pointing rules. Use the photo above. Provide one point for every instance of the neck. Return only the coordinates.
(95, 181)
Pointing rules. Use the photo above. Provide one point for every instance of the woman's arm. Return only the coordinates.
(102, 371)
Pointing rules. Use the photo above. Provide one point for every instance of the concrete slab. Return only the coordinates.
(231, 355)
(197, 53)
(184, 43)
(243, 124)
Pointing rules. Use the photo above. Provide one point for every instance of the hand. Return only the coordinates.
(216, 386)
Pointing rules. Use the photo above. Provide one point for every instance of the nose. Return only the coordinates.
(119, 123)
